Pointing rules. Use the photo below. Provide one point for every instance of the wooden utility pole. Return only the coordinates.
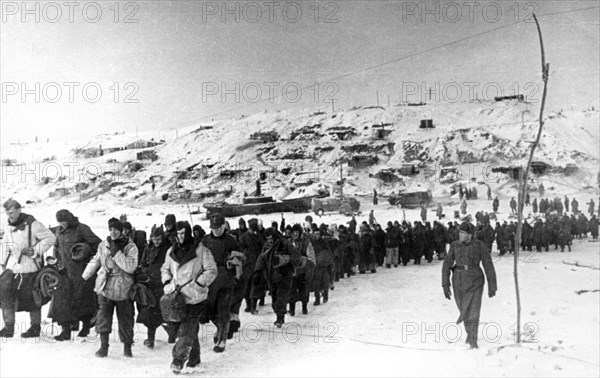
(523, 178)
(341, 181)
(377, 92)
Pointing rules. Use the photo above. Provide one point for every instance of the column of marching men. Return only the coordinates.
(88, 278)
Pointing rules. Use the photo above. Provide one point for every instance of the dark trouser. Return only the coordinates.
(125, 316)
(429, 252)
(219, 303)
(280, 293)
(440, 249)
(418, 252)
(348, 263)
(405, 253)
(35, 316)
(17, 289)
(187, 347)
(299, 290)
(321, 282)
(321, 279)
(380, 253)
(366, 262)
(238, 294)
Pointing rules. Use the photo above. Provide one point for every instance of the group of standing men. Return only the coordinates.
(88, 278)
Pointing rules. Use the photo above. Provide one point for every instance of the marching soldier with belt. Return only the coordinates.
(463, 260)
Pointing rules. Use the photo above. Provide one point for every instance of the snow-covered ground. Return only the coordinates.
(392, 323)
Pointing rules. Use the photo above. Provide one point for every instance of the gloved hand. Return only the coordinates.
(447, 292)
(51, 260)
(27, 251)
(491, 293)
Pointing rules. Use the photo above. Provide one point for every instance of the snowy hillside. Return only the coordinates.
(206, 159)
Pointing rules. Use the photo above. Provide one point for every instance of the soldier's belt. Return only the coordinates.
(465, 267)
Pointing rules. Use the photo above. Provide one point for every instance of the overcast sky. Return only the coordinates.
(174, 62)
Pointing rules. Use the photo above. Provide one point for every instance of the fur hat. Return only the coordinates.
(465, 226)
(115, 223)
(170, 220)
(157, 232)
(64, 216)
(253, 224)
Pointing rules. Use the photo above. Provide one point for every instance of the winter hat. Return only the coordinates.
(157, 232)
(324, 229)
(271, 232)
(64, 216)
(11, 203)
(199, 229)
(464, 226)
(314, 227)
(115, 223)
(170, 220)
(217, 220)
(184, 225)
(128, 226)
(253, 224)
(297, 227)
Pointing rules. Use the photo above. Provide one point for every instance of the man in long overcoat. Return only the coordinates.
(463, 259)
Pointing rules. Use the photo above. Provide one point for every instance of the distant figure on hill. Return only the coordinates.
(513, 205)
(463, 206)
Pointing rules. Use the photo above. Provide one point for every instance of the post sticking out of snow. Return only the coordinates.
(523, 178)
